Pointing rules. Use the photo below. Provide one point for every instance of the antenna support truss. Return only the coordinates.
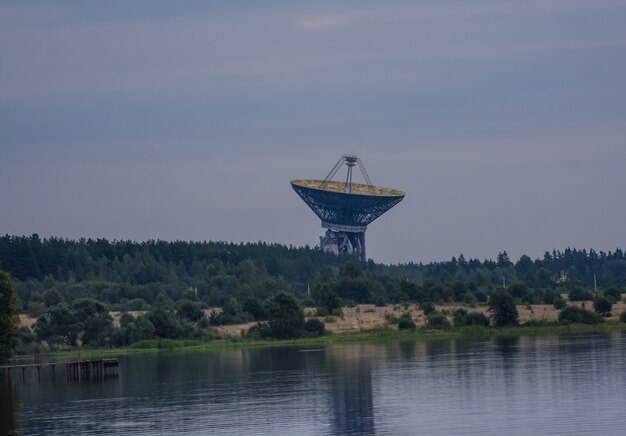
(350, 161)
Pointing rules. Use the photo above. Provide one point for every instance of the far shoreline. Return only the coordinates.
(379, 335)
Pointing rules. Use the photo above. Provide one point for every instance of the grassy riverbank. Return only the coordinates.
(380, 335)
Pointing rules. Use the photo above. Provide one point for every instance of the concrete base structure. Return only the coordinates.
(344, 243)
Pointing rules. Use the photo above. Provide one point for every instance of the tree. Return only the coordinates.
(602, 306)
(329, 300)
(579, 294)
(502, 308)
(9, 319)
(59, 325)
(518, 290)
(254, 308)
(94, 316)
(165, 325)
(52, 297)
(503, 259)
(614, 294)
(285, 316)
(189, 310)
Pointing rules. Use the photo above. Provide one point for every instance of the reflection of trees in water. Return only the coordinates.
(352, 405)
(9, 408)
(506, 347)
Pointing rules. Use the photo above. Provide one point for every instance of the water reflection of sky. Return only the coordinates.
(571, 384)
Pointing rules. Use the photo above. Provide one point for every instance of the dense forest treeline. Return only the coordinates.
(128, 275)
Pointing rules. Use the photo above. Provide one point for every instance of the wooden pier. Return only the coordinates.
(93, 369)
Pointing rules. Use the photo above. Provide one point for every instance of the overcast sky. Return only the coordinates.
(503, 121)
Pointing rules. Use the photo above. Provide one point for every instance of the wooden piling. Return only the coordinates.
(78, 370)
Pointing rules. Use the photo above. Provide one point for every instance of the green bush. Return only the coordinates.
(405, 322)
(470, 299)
(337, 312)
(579, 294)
(613, 294)
(622, 317)
(437, 320)
(463, 318)
(390, 318)
(518, 290)
(574, 314)
(459, 317)
(476, 318)
(427, 307)
(321, 311)
(481, 296)
(549, 296)
(559, 302)
(314, 327)
(602, 306)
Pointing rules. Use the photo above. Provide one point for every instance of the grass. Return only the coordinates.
(371, 336)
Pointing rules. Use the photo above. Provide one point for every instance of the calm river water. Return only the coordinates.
(573, 384)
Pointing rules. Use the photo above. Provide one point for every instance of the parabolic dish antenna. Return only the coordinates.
(346, 208)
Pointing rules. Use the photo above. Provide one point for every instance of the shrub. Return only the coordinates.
(476, 318)
(254, 308)
(559, 302)
(189, 310)
(405, 322)
(534, 297)
(622, 317)
(549, 296)
(470, 299)
(459, 317)
(26, 335)
(437, 320)
(579, 294)
(337, 312)
(329, 299)
(613, 293)
(258, 331)
(314, 327)
(330, 318)
(518, 290)
(390, 318)
(463, 318)
(481, 296)
(602, 306)
(573, 314)
(380, 302)
(321, 311)
(427, 307)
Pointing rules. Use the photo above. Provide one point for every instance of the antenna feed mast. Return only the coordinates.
(350, 161)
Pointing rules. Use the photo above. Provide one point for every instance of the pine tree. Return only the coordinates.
(9, 319)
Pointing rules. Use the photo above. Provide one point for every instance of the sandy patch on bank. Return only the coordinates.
(365, 317)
